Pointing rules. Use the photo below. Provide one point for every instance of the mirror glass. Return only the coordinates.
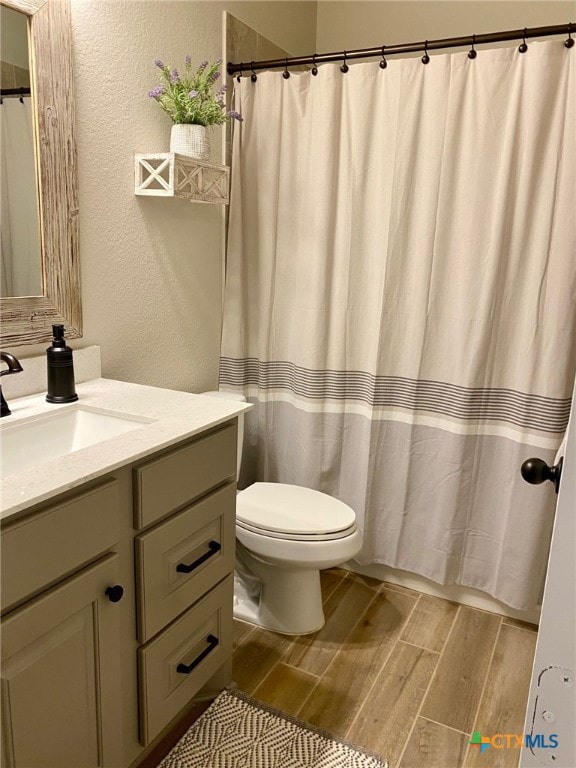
(20, 251)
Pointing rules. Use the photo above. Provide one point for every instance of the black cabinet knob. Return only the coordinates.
(536, 471)
(115, 593)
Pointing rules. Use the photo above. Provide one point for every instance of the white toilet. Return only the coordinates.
(286, 535)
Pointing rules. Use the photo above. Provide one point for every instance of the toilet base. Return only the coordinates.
(290, 601)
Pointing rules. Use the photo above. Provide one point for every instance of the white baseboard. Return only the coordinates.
(464, 595)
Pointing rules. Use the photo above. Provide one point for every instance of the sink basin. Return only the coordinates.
(33, 441)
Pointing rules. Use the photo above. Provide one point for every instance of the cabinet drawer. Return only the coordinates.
(38, 550)
(181, 559)
(167, 483)
(175, 665)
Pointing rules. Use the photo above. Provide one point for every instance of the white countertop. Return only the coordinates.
(173, 416)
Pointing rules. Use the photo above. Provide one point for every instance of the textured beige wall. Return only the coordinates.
(151, 267)
(358, 24)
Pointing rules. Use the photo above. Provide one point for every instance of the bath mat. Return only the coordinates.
(238, 732)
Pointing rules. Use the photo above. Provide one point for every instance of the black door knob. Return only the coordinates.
(536, 471)
(115, 593)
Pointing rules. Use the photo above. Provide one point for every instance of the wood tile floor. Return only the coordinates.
(401, 673)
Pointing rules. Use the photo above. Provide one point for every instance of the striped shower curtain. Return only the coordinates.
(400, 300)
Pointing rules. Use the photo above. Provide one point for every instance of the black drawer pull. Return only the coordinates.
(185, 669)
(213, 547)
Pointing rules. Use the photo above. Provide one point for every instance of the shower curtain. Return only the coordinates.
(400, 300)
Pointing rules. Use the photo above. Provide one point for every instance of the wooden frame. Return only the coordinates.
(28, 319)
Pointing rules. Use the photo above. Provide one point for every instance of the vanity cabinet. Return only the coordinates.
(117, 607)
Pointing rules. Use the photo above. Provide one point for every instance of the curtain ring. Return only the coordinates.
(344, 68)
(239, 78)
(253, 76)
(314, 68)
(523, 47)
(383, 63)
(21, 99)
(425, 58)
(569, 42)
(285, 74)
(472, 52)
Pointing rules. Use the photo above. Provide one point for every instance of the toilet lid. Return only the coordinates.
(287, 511)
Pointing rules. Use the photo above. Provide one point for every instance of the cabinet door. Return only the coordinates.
(60, 676)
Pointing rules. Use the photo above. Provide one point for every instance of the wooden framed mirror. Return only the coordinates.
(28, 319)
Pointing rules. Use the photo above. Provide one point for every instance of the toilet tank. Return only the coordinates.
(239, 398)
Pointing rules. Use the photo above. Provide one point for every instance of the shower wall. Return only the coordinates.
(243, 43)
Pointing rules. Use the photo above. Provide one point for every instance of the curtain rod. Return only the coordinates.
(14, 92)
(390, 50)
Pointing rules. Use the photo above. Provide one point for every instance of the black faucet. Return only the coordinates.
(13, 367)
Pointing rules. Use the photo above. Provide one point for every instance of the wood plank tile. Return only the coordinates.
(313, 653)
(432, 745)
(256, 656)
(503, 704)
(455, 692)
(329, 580)
(430, 623)
(384, 722)
(370, 580)
(241, 631)
(351, 673)
(520, 624)
(285, 688)
(400, 588)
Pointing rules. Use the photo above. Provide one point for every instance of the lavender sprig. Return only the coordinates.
(191, 96)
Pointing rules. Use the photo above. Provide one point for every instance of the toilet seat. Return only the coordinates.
(291, 512)
(298, 536)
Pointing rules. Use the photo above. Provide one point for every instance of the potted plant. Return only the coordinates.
(193, 102)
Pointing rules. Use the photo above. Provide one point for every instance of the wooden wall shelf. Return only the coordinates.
(167, 174)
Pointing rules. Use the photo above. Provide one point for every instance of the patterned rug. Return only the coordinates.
(238, 732)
